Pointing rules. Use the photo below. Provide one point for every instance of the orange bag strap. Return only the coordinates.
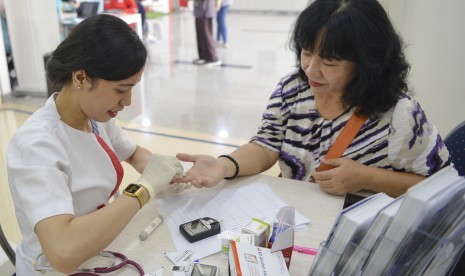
(348, 133)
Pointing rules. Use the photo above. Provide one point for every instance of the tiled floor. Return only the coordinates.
(180, 107)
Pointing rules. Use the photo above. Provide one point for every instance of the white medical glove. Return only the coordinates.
(178, 187)
(159, 172)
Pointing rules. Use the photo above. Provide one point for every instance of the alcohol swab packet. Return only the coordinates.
(179, 257)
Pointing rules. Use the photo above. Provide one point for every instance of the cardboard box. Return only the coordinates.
(284, 243)
(283, 233)
(249, 260)
(228, 236)
(260, 230)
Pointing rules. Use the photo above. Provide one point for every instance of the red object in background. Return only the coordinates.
(183, 3)
(287, 254)
(126, 6)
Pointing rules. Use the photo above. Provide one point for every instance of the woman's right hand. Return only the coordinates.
(207, 171)
(159, 172)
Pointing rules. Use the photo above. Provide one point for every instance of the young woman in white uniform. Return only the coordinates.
(64, 162)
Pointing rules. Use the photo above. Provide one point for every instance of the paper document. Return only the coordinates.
(233, 207)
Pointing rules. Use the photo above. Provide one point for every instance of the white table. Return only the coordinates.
(316, 205)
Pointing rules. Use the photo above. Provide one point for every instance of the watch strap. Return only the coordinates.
(140, 193)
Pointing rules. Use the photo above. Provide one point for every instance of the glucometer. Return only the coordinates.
(200, 229)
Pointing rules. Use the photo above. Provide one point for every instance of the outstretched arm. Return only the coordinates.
(208, 171)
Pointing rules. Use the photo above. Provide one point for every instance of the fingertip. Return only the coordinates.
(196, 183)
(182, 156)
(180, 171)
(178, 179)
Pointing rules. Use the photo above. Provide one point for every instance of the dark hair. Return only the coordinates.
(359, 31)
(104, 46)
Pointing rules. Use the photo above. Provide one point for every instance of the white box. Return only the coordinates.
(248, 260)
(260, 230)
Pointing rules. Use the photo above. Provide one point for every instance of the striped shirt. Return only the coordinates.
(401, 139)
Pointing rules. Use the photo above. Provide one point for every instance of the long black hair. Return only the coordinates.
(104, 46)
(359, 31)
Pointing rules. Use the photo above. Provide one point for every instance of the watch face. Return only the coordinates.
(132, 188)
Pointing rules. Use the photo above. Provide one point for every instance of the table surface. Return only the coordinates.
(321, 208)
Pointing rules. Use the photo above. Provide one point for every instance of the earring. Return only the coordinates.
(79, 87)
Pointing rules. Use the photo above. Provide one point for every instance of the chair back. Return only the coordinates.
(455, 143)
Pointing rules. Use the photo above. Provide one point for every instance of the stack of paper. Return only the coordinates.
(358, 258)
(423, 203)
(351, 225)
(435, 241)
(448, 252)
(420, 233)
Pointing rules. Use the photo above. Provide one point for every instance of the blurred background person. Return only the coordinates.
(204, 12)
(145, 27)
(222, 31)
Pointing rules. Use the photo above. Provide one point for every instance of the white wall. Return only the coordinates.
(34, 31)
(435, 34)
(270, 5)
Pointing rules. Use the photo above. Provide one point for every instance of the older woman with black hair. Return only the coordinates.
(350, 64)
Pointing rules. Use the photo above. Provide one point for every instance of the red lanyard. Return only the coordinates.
(114, 160)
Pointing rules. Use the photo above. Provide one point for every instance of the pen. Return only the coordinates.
(149, 229)
(197, 263)
(305, 250)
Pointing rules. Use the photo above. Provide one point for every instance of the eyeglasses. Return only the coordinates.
(42, 265)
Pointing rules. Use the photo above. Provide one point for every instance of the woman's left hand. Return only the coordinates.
(342, 179)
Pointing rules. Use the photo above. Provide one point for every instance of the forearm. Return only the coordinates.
(139, 158)
(390, 182)
(69, 241)
(252, 159)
